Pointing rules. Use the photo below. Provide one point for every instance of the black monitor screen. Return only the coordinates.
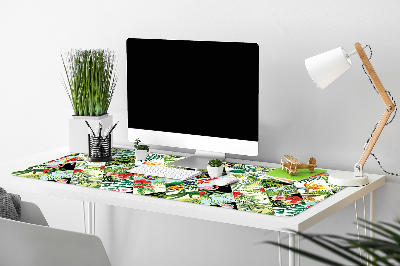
(193, 87)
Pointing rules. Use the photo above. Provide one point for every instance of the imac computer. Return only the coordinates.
(200, 95)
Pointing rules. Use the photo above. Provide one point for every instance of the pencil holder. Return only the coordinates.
(99, 149)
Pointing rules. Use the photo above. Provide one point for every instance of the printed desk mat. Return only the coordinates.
(256, 192)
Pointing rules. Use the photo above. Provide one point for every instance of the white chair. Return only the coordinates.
(23, 243)
(32, 214)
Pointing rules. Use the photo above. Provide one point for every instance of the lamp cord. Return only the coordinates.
(387, 123)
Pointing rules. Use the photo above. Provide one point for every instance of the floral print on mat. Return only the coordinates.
(256, 191)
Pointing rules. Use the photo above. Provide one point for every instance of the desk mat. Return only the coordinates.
(256, 192)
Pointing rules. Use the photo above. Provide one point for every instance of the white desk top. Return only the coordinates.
(299, 222)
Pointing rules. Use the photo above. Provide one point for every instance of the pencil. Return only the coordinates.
(112, 128)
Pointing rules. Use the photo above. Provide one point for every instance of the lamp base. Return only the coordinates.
(347, 179)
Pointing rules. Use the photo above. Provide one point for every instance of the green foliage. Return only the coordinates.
(91, 80)
(154, 156)
(170, 158)
(215, 163)
(192, 200)
(107, 178)
(146, 190)
(384, 250)
(140, 147)
(161, 195)
(176, 183)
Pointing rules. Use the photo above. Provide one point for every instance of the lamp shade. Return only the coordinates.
(326, 67)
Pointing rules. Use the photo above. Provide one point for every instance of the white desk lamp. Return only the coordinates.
(323, 70)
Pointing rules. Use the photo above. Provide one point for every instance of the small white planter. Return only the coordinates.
(215, 171)
(78, 131)
(141, 155)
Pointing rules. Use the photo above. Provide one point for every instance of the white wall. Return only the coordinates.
(296, 118)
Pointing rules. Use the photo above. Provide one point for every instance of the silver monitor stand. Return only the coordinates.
(199, 160)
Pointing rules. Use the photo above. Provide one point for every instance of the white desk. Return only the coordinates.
(297, 223)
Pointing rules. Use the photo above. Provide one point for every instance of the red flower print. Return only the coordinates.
(142, 181)
(209, 187)
(205, 180)
(202, 193)
(74, 159)
(293, 200)
(124, 175)
(278, 198)
(77, 171)
(237, 194)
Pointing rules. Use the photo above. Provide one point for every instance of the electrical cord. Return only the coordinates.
(387, 123)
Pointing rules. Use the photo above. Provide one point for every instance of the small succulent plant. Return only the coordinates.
(215, 163)
(140, 147)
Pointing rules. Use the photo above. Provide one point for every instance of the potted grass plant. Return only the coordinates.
(140, 150)
(215, 168)
(90, 83)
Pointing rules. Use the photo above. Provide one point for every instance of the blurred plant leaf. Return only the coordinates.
(382, 251)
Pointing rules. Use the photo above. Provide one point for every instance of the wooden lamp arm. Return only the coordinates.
(374, 138)
(371, 71)
(389, 108)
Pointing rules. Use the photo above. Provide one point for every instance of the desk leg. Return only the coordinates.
(372, 210)
(88, 214)
(292, 244)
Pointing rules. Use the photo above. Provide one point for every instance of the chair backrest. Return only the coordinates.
(36, 245)
(30, 213)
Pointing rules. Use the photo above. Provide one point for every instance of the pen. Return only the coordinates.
(89, 127)
(90, 132)
(99, 130)
(106, 132)
(101, 127)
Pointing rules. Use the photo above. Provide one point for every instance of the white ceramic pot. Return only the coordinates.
(78, 131)
(215, 171)
(140, 155)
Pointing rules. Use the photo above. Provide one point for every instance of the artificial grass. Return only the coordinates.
(304, 173)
